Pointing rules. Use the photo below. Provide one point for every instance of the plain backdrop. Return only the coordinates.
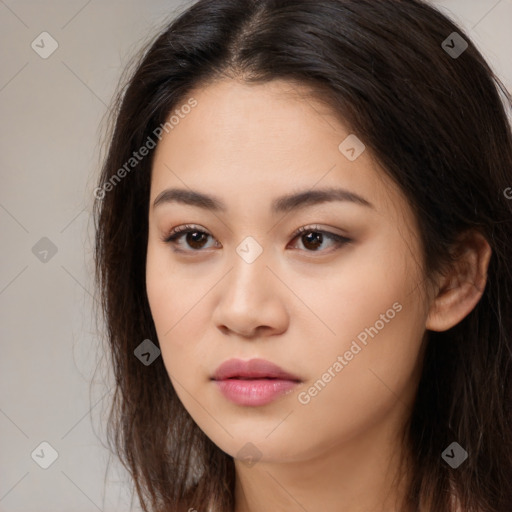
(51, 112)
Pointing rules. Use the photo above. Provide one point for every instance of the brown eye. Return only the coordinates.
(313, 238)
(194, 237)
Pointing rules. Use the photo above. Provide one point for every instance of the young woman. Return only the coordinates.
(304, 255)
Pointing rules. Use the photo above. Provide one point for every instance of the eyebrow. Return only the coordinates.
(283, 204)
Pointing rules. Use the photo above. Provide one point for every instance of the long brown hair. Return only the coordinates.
(434, 115)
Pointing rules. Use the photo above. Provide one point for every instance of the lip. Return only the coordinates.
(254, 382)
(251, 369)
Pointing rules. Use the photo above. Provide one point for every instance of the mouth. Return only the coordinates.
(253, 383)
(254, 369)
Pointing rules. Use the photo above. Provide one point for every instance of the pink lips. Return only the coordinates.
(254, 382)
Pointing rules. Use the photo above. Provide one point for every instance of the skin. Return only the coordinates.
(295, 305)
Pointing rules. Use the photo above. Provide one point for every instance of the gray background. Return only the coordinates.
(52, 116)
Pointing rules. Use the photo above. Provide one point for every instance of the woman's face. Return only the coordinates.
(344, 317)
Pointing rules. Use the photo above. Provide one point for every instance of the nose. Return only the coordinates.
(251, 300)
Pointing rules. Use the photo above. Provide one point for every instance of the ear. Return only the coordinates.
(461, 289)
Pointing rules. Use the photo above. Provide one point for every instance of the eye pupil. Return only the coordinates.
(314, 237)
(190, 235)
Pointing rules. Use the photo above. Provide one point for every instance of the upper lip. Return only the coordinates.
(251, 369)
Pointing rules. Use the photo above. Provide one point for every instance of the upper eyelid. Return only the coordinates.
(178, 232)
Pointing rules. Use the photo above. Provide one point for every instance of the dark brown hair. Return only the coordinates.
(438, 125)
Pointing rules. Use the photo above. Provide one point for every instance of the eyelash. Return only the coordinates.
(180, 231)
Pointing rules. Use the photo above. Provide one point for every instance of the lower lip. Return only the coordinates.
(254, 392)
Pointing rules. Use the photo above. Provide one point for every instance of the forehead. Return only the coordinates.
(256, 141)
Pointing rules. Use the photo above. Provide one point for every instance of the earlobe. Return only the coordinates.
(460, 290)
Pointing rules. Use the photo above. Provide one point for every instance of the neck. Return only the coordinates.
(358, 475)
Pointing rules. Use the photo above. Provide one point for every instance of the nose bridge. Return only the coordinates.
(250, 268)
(248, 298)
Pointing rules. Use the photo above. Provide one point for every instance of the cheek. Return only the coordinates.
(160, 294)
(369, 280)
(356, 385)
(374, 310)
(167, 300)
(178, 300)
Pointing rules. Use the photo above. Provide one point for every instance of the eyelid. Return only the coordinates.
(179, 231)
